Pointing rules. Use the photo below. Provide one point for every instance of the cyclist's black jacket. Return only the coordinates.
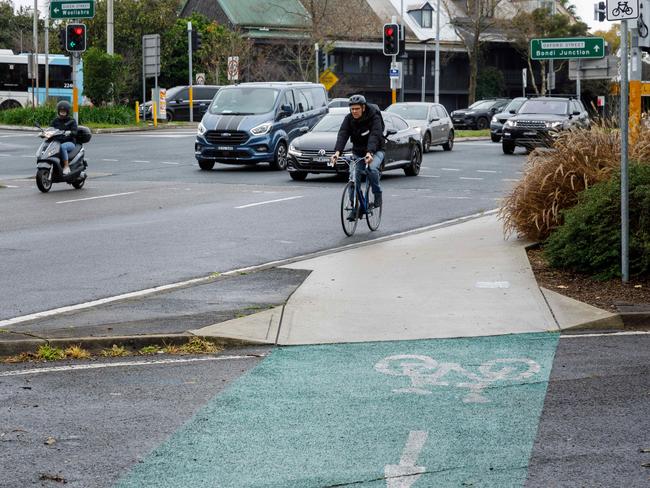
(366, 134)
(66, 124)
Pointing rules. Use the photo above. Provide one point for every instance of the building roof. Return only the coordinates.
(288, 14)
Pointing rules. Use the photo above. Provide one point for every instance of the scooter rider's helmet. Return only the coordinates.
(357, 100)
(63, 106)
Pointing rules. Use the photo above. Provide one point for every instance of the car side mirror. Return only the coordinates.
(434, 119)
(391, 132)
(513, 112)
(576, 112)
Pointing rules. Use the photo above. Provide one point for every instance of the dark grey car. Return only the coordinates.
(178, 102)
(431, 119)
(496, 124)
(478, 115)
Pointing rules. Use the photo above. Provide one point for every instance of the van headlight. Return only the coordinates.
(494, 119)
(262, 129)
(510, 123)
(201, 130)
(293, 150)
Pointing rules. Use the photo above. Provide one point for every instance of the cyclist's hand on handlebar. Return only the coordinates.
(334, 158)
(368, 158)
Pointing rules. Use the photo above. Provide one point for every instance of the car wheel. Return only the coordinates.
(280, 159)
(206, 165)
(426, 144)
(170, 115)
(10, 104)
(413, 169)
(449, 145)
(298, 175)
(495, 138)
(481, 123)
(508, 147)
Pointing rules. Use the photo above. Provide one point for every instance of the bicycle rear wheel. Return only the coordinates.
(373, 215)
(349, 201)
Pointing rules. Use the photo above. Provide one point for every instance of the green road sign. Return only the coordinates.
(71, 9)
(567, 48)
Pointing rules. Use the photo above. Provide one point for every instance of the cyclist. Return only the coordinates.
(364, 126)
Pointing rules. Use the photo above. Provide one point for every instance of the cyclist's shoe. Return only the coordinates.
(377, 202)
(352, 215)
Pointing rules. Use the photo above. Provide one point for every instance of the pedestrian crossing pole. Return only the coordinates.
(625, 218)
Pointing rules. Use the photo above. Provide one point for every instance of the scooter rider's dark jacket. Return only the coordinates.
(366, 133)
(67, 124)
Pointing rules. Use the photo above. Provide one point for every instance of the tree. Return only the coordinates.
(102, 76)
(612, 37)
(541, 23)
(477, 18)
(16, 28)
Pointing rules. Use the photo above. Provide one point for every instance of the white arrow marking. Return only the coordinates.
(596, 48)
(404, 474)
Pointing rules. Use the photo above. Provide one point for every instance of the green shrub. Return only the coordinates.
(589, 240)
(118, 115)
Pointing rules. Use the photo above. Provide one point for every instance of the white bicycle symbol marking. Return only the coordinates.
(425, 372)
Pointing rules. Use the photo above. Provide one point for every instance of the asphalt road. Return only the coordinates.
(149, 216)
(338, 415)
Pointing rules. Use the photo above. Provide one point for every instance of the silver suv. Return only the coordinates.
(431, 119)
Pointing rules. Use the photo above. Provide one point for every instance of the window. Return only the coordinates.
(301, 101)
(318, 95)
(203, 93)
(288, 100)
(409, 67)
(442, 112)
(575, 107)
(399, 123)
(364, 64)
(487, 8)
(427, 16)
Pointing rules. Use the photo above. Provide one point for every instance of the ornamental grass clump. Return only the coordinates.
(553, 179)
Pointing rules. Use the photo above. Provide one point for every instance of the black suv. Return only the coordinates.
(539, 121)
(478, 114)
(178, 102)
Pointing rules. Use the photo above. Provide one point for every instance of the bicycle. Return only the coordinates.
(359, 200)
(623, 8)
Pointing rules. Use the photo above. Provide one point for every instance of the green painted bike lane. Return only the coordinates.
(433, 413)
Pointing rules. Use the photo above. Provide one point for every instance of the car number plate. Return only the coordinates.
(225, 148)
(321, 159)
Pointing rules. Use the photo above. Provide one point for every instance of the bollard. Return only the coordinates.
(137, 112)
(155, 114)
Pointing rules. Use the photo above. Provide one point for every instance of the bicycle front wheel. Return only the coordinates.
(373, 215)
(349, 202)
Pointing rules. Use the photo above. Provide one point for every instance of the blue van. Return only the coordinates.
(251, 123)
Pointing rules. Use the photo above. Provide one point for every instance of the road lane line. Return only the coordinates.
(76, 367)
(508, 179)
(269, 201)
(429, 176)
(606, 334)
(96, 198)
(113, 160)
(449, 169)
(168, 162)
(468, 178)
(485, 171)
(247, 269)
(139, 161)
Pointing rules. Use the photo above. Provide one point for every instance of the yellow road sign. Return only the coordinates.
(329, 79)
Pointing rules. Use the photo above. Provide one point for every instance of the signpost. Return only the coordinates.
(622, 10)
(567, 48)
(233, 68)
(71, 9)
(328, 78)
(150, 64)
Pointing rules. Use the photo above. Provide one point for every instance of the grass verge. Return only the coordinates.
(473, 133)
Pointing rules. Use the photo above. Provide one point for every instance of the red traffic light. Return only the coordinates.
(78, 30)
(389, 31)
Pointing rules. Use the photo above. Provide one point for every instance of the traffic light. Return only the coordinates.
(323, 63)
(62, 42)
(196, 40)
(75, 38)
(600, 11)
(391, 39)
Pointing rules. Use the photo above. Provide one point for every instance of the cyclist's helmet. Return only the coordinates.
(63, 106)
(357, 100)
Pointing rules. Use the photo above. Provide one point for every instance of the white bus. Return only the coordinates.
(16, 88)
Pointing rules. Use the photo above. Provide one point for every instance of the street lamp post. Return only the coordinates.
(436, 89)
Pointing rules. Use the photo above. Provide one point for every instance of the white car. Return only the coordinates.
(431, 119)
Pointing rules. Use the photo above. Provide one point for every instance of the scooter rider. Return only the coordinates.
(363, 125)
(68, 125)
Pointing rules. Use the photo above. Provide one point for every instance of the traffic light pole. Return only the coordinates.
(75, 89)
(189, 49)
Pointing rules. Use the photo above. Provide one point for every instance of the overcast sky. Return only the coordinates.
(585, 9)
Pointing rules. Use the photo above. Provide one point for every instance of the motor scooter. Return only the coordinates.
(48, 159)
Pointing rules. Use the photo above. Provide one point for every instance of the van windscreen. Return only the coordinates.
(242, 100)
